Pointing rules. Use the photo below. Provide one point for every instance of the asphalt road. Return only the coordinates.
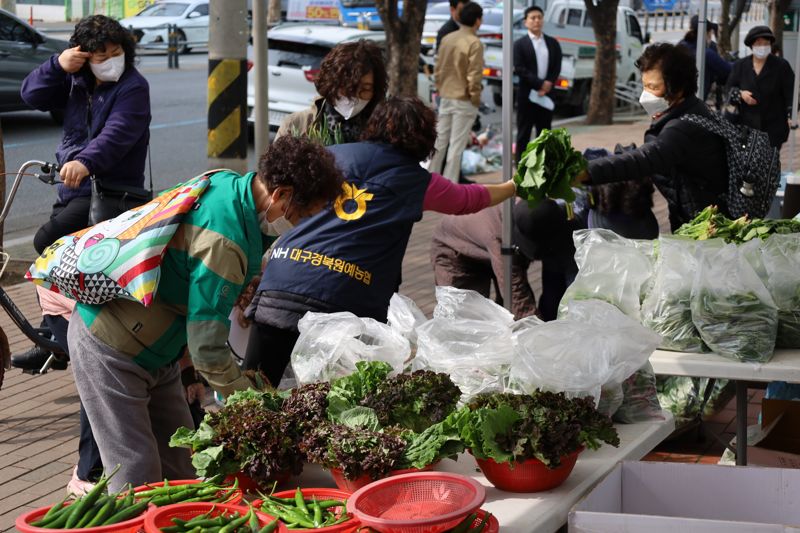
(177, 139)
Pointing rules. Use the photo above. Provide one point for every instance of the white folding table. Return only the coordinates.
(543, 512)
(784, 366)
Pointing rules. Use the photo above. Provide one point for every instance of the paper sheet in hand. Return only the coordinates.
(544, 101)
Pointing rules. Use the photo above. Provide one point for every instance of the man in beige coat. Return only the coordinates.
(459, 77)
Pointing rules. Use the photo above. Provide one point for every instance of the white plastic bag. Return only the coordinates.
(592, 346)
(476, 354)
(405, 316)
(781, 260)
(666, 309)
(731, 308)
(330, 344)
(464, 304)
(612, 269)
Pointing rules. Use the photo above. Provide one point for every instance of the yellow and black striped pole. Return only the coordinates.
(227, 85)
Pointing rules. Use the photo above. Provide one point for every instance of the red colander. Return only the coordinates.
(423, 502)
(23, 523)
(323, 494)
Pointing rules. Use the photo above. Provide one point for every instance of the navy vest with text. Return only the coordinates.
(350, 255)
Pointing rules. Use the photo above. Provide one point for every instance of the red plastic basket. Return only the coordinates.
(128, 526)
(527, 476)
(162, 516)
(323, 494)
(352, 485)
(235, 498)
(424, 502)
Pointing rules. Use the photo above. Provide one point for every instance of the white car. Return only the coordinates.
(149, 27)
(295, 54)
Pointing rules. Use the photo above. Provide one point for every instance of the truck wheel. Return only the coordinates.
(498, 98)
(581, 101)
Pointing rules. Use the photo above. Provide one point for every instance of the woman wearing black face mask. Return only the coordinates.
(686, 162)
(760, 86)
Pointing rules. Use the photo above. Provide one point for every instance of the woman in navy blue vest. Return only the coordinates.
(349, 257)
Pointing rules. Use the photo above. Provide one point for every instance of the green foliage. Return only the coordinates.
(548, 167)
(711, 224)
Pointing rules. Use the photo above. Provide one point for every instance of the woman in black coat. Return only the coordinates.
(686, 162)
(760, 85)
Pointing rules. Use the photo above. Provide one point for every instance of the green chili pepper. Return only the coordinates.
(269, 528)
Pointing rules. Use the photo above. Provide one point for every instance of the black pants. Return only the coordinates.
(528, 116)
(66, 218)
(90, 466)
(269, 350)
(555, 279)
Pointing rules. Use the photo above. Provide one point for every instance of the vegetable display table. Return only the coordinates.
(545, 511)
(784, 366)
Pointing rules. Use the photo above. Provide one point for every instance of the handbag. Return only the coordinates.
(109, 201)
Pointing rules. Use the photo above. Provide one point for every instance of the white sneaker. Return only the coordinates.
(77, 486)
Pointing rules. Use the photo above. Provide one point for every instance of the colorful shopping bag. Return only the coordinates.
(120, 257)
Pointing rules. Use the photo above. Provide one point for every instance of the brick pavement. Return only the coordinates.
(39, 414)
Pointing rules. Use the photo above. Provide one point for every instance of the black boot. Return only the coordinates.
(35, 358)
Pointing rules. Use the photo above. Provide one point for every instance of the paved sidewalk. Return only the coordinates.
(39, 414)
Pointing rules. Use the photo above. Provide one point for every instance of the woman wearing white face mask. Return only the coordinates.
(685, 162)
(760, 85)
(106, 107)
(351, 81)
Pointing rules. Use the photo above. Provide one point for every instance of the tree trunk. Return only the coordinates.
(602, 99)
(403, 36)
(728, 23)
(776, 10)
(2, 182)
(273, 12)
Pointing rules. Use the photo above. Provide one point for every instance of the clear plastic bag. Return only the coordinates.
(612, 269)
(592, 346)
(683, 396)
(639, 398)
(781, 260)
(731, 308)
(330, 344)
(477, 354)
(405, 316)
(464, 304)
(666, 309)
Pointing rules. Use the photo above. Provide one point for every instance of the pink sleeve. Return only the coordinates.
(444, 196)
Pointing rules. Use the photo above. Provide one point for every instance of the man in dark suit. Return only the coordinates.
(452, 23)
(537, 62)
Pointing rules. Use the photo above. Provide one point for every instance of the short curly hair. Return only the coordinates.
(342, 69)
(676, 64)
(92, 34)
(406, 123)
(305, 166)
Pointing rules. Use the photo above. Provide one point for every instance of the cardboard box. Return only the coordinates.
(779, 441)
(690, 498)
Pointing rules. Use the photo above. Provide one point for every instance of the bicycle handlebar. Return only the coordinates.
(47, 174)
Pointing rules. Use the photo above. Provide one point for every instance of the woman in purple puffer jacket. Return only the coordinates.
(106, 106)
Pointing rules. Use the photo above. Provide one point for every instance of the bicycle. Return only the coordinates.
(39, 336)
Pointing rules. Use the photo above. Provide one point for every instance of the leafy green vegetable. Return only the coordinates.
(435, 443)
(347, 392)
(414, 401)
(710, 224)
(360, 417)
(547, 168)
(544, 425)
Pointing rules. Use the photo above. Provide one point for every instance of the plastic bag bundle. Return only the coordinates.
(683, 396)
(639, 398)
(612, 269)
(667, 307)
(781, 260)
(404, 316)
(330, 344)
(731, 308)
(593, 345)
(469, 337)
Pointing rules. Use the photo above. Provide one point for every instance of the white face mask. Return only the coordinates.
(350, 107)
(653, 104)
(109, 70)
(762, 51)
(277, 227)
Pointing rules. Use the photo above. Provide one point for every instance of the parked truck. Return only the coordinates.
(569, 22)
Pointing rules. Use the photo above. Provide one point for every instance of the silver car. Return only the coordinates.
(295, 54)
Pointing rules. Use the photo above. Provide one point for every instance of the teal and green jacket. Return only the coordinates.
(214, 253)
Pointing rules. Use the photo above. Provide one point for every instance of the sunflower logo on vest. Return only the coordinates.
(352, 203)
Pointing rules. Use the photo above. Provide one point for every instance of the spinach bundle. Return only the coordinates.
(711, 224)
(548, 167)
(781, 260)
(731, 307)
